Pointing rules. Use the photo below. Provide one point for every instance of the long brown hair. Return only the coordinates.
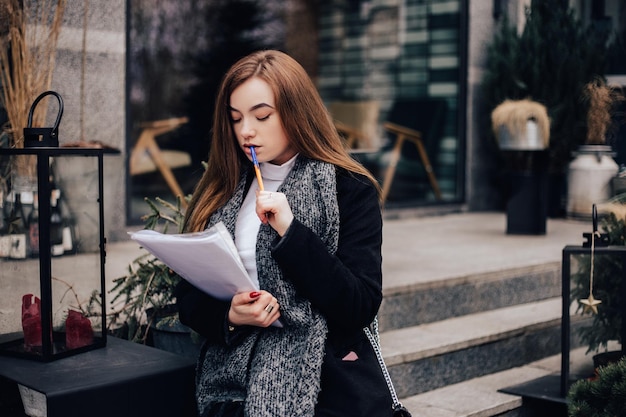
(306, 122)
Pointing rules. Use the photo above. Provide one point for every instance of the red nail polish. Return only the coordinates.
(254, 294)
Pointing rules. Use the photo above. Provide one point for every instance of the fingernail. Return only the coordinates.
(254, 294)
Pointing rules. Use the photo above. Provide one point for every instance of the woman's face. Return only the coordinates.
(256, 122)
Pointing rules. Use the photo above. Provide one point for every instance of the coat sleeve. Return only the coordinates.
(201, 312)
(345, 287)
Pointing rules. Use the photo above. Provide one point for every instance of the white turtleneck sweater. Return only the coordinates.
(248, 223)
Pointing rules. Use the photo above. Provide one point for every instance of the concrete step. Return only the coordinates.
(432, 355)
(481, 396)
(446, 266)
(431, 301)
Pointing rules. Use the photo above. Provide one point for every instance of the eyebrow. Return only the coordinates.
(256, 106)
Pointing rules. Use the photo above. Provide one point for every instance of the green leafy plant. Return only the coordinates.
(540, 64)
(149, 284)
(603, 396)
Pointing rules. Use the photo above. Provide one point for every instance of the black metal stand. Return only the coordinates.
(124, 379)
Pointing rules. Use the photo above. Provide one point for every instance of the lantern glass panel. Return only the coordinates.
(597, 322)
(51, 255)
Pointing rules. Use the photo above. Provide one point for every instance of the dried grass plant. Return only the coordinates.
(600, 98)
(27, 56)
(514, 115)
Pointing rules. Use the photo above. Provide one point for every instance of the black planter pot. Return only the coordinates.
(176, 338)
(557, 195)
(526, 207)
(606, 358)
(169, 334)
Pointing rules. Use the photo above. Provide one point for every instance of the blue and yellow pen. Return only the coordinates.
(257, 168)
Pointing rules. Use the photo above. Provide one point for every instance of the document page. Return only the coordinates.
(209, 260)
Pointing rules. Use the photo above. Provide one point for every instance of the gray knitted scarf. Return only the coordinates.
(276, 371)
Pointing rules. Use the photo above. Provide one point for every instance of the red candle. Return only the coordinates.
(31, 320)
(78, 330)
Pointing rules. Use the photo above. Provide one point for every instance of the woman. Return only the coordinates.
(311, 238)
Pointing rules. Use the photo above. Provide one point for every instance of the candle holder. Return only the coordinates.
(597, 270)
(52, 268)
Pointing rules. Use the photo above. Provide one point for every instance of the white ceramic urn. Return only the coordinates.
(589, 179)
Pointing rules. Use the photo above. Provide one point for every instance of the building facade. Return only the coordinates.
(373, 53)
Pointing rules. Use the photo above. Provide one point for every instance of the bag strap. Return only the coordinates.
(374, 338)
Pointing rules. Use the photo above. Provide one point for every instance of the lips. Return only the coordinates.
(248, 146)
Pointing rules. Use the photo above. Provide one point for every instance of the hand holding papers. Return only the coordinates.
(208, 260)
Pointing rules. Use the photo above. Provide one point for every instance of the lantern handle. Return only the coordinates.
(55, 128)
(599, 239)
(594, 218)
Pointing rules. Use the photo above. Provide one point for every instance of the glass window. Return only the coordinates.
(381, 68)
(408, 59)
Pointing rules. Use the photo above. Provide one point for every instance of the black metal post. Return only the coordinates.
(565, 320)
(45, 269)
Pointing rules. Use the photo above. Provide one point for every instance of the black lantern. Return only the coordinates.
(52, 248)
(598, 271)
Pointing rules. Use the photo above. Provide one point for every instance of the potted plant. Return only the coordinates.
(606, 319)
(592, 170)
(521, 125)
(540, 64)
(522, 130)
(143, 303)
(602, 396)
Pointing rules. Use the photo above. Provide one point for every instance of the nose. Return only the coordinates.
(247, 129)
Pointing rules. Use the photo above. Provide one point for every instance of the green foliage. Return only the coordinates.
(604, 396)
(549, 62)
(149, 284)
(163, 217)
(607, 281)
(615, 228)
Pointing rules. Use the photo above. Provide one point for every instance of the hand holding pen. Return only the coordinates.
(271, 207)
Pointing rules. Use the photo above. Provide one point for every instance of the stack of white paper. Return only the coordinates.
(209, 260)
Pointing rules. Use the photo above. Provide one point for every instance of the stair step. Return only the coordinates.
(437, 300)
(429, 356)
(474, 397)
(480, 397)
(431, 339)
(446, 266)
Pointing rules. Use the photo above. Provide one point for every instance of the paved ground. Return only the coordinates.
(421, 250)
